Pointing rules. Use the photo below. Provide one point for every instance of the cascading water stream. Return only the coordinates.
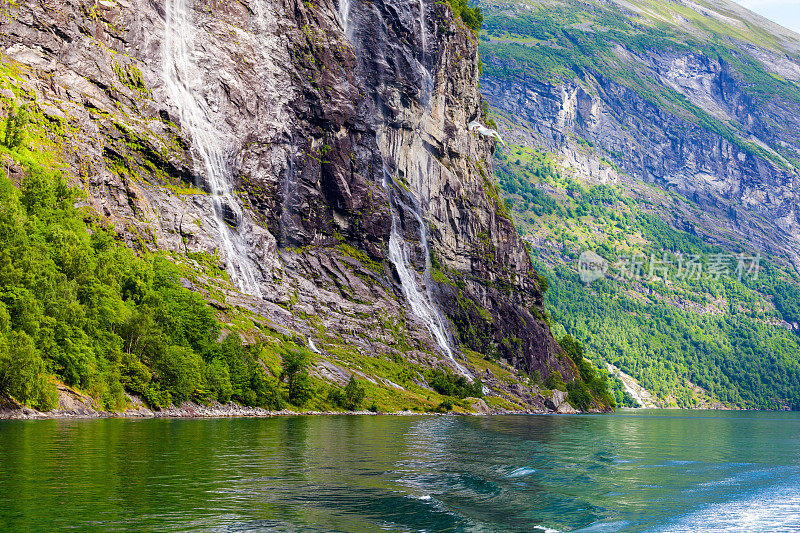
(427, 81)
(344, 15)
(421, 302)
(206, 142)
(423, 35)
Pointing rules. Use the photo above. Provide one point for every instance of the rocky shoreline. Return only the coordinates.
(74, 405)
(216, 410)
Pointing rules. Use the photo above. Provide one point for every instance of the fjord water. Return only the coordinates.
(633, 471)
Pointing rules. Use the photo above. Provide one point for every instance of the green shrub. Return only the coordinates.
(578, 395)
(16, 121)
(301, 389)
(295, 372)
(218, 381)
(444, 407)
(447, 384)
(22, 373)
(180, 371)
(472, 17)
(350, 397)
(264, 391)
(595, 382)
(543, 283)
(572, 348)
(555, 381)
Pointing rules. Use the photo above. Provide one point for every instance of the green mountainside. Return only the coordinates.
(222, 210)
(650, 133)
(657, 131)
(689, 342)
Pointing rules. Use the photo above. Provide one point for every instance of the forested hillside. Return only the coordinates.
(662, 136)
(690, 342)
(699, 98)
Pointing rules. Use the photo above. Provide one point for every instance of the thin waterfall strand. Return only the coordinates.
(422, 27)
(194, 115)
(289, 189)
(419, 301)
(344, 15)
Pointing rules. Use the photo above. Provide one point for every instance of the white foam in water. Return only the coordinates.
(521, 472)
(776, 510)
(545, 529)
(603, 527)
(179, 75)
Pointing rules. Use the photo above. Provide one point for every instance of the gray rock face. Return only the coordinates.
(556, 400)
(308, 121)
(746, 188)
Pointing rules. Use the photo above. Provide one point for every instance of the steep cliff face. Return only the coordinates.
(318, 153)
(710, 115)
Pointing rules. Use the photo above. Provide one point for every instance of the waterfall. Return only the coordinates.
(420, 302)
(344, 15)
(312, 346)
(422, 28)
(426, 96)
(206, 142)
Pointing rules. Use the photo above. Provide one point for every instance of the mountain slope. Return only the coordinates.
(646, 113)
(308, 168)
(703, 102)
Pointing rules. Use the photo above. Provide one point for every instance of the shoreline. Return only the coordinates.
(76, 406)
(190, 410)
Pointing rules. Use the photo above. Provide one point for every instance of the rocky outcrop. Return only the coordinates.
(315, 128)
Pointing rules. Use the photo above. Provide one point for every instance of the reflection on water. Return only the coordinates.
(635, 471)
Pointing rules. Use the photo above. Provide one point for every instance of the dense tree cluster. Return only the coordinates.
(592, 384)
(448, 384)
(471, 16)
(80, 307)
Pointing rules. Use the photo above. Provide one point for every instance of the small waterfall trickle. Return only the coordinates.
(344, 15)
(427, 81)
(423, 36)
(312, 346)
(420, 301)
(206, 142)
